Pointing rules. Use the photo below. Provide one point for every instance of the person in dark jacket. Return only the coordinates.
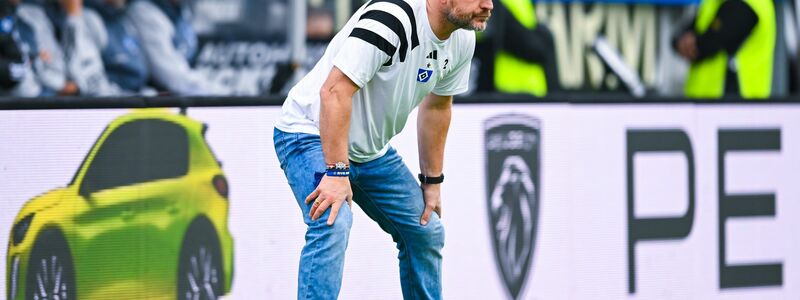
(123, 56)
(16, 74)
(11, 57)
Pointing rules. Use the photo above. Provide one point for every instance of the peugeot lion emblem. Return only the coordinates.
(512, 162)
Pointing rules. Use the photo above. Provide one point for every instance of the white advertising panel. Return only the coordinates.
(540, 201)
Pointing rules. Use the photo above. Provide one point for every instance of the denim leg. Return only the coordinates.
(322, 258)
(389, 194)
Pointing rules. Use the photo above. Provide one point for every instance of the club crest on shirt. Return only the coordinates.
(423, 75)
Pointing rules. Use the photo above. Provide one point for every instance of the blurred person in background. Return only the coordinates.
(122, 53)
(48, 60)
(319, 25)
(79, 31)
(517, 53)
(319, 30)
(730, 45)
(16, 74)
(170, 45)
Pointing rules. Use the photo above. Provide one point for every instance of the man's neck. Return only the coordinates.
(439, 24)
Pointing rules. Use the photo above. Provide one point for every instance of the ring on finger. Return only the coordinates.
(317, 202)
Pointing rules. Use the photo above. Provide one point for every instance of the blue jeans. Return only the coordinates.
(388, 193)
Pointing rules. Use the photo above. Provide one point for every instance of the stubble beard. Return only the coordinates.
(464, 21)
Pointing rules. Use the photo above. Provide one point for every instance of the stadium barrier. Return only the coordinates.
(570, 196)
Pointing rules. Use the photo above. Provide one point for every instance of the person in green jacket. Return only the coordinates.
(730, 46)
(517, 54)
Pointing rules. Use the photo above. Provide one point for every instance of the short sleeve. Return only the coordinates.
(369, 46)
(457, 80)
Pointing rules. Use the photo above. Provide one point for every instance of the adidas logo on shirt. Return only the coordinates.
(432, 55)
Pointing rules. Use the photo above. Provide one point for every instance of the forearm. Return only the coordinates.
(433, 122)
(334, 124)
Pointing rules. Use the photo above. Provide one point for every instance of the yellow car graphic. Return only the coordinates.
(145, 217)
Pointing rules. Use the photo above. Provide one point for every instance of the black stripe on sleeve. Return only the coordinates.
(394, 24)
(376, 40)
(407, 8)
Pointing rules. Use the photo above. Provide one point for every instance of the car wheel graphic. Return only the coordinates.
(51, 274)
(200, 274)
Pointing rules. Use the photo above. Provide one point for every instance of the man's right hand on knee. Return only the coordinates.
(331, 192)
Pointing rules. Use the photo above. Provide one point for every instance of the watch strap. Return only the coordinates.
(431, 179)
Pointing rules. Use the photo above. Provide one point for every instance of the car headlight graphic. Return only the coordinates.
(20, 229)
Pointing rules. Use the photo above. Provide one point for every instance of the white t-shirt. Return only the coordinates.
(389, 50)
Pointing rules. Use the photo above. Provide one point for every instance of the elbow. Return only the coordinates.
(330, 92)
(325, 92)
(328, 98)
(337, 89)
